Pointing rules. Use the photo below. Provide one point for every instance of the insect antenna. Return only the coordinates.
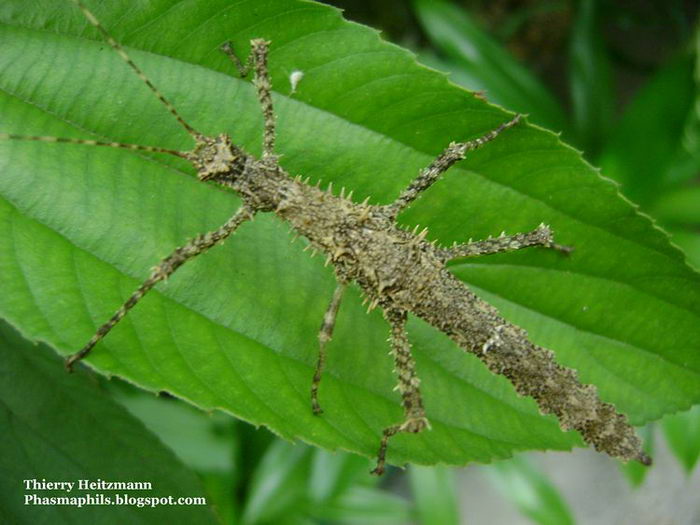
(120, 50)
(111, 144)
(88, 142)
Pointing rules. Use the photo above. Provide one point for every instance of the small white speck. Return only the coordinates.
(294, 79)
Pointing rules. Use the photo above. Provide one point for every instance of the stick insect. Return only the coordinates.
(397, 270)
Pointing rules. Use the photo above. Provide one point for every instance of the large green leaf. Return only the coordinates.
(236, 329)
(57, 427)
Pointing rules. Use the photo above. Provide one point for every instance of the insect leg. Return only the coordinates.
(165, 269)
(122, 53)
(258, 60)
(243, 68)
(455, 152)
(541, 236)
(414, 414)
(324, 336)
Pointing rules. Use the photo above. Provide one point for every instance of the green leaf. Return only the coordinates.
(433, 490)
(332, 474)
(277, 485)
(220, 487)
(647, 145)
(367, 506)
(190, 433)
(534, 495)
(206, 442)
(683, 434)
(591, 84)
(482, 64)
(689, 241)
(680, 206)
(236, 329)
(61, 427)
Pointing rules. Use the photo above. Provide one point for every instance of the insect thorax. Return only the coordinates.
(217, 158)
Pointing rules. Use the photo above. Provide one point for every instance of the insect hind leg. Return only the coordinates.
(414, 414)
(257, 60)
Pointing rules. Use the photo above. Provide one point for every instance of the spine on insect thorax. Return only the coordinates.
(333, 224)
(397, 269)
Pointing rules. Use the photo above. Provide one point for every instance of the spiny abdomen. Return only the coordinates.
(505, 348)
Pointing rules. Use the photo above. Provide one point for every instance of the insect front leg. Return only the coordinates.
(455, 152)
(409, 386)
(324, 336)
(257, 60)
(165, 269)
(540, 236)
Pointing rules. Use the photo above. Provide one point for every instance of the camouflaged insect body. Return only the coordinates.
(400, 270)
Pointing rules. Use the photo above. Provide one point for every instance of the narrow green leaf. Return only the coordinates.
(647, 144)
(484, 65)
(189, 432)
(277, 486)
(367, 506)
(60, 427)
(530, 491)
(683, 434)
(591, 83)
(333, 473)
(221, 489)
(433, 490)
(236, 329)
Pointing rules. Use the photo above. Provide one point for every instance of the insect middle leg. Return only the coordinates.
(165, 269)
(324, 336)
(540, 236)
(258, 61)
(409, 386)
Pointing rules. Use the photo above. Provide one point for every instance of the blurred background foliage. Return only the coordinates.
(619, 79)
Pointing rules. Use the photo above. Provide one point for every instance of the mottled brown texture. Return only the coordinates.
(399, 271)
(409, 386)
(258, 61)
(396, 269)
(541, 236)
(324, 336)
